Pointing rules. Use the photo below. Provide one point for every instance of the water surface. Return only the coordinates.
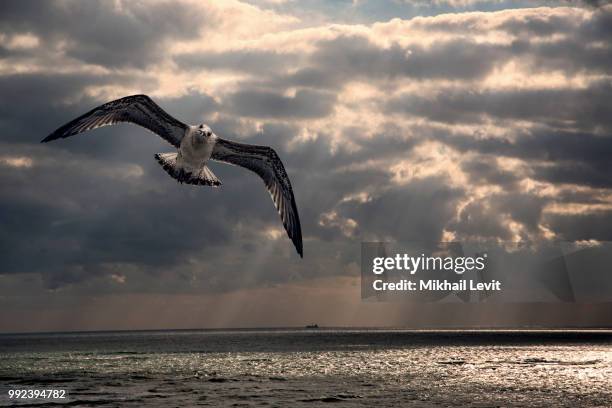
(313, 367)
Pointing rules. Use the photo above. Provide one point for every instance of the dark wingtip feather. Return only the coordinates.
(298, 246)
(60, 133)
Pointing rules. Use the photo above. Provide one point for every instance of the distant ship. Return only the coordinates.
(312, 326)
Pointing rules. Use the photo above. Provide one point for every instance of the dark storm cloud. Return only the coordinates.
(193, 108)
(266, 104)
(388, 143)
(596, 175)
(555, 155)
(99, 32)
(346, 58)
(571, 45)
(582, 108)
(243, 61)
(355, 56)
(590, 3)
(312, 77)
(581, 197)
(571, 56)
(477, 219)
(523, 208)
(33, 105)
(484, 170)
(84, 214)
(418, 211)
(592, 225)
(539, 144)
(488, 217)
(538, 25)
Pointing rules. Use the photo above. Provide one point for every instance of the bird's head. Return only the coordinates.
(203, 133)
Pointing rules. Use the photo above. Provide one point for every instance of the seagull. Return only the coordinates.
(195, 145)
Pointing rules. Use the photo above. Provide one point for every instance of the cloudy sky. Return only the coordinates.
(396, 120)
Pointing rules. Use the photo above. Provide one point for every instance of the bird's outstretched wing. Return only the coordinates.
(138, 109)
(264, 161)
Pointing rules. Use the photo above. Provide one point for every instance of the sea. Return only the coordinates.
(311, 367)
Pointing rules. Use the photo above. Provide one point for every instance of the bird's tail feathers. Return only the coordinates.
(203, 176)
